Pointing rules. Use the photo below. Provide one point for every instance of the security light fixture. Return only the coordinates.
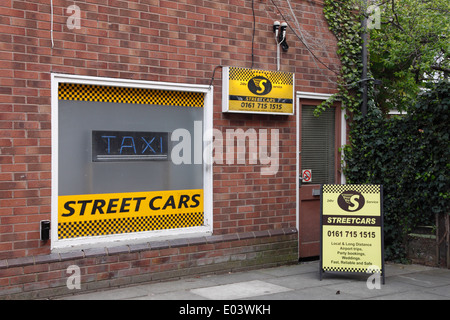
(280, 37)
(276, 27)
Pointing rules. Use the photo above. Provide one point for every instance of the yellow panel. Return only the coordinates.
(254, 91)
(115, 213)
(352, 230)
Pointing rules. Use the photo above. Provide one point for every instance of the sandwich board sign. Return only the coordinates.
(351, 222)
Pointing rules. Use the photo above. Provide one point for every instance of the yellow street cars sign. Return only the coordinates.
(257, 91)
(352, 229)
(116, 213)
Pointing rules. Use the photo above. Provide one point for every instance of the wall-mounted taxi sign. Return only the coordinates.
(129, 146)
(257, 91)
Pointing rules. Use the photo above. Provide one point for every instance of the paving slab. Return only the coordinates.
(443, 291)
(410, 295)
(312, 293)
(112, 294)
(239, 290)
(174, 295)
(423, 280)
(290, 282)
(233, 277)
(153, 289)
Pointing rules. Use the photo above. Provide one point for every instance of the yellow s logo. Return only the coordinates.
(261, 86)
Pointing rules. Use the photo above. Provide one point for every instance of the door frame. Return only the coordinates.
(342, 140)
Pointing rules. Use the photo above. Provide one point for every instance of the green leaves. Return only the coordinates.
(410, 157)
(345, 23)
(407, 52)
(410, 50)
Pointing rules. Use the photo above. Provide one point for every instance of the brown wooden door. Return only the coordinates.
(319, 153)
(309, 222)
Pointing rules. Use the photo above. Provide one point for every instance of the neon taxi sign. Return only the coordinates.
(129, 146)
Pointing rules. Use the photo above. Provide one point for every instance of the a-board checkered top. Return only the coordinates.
(339, 188)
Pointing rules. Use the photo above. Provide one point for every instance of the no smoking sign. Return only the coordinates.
(307, 175)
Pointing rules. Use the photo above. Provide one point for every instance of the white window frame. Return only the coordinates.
(108, 240)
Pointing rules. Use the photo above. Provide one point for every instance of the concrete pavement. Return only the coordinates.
(291, 282)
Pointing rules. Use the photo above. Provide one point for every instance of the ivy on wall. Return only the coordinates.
(408, 155)
(345, 23)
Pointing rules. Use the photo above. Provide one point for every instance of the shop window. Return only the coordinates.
(115, 174)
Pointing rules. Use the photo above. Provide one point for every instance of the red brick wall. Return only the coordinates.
(48, 276)
(170, 41)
